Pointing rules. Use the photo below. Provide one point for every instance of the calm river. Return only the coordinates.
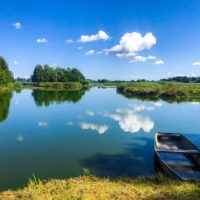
(58, 134)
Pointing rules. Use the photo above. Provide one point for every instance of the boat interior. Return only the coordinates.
(173, 142)
(186, 166)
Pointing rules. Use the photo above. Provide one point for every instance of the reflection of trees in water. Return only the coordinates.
(46, 97)
(5, 98)
(167, 99)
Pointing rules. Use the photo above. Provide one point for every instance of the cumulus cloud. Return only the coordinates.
(99, 128)
(197, 63)
(101, 35)
(159, 62)
(15, 62)
(142, 59)
(90, 53)
(90, 113)
(43, 124)
(131, 121)
(133, 42)
(69, 41)
(17, 25)
(41, 40)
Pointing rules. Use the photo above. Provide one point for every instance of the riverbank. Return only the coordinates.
(52, 85)
(90, 187)
(160, 89)
(10, 87)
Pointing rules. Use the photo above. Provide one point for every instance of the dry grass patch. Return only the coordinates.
(93, 188)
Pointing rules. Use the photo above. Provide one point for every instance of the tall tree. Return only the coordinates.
(5, 75)
(38, 74)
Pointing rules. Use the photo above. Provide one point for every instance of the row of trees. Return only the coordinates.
(183, 79)
(5, 75)
(48, 74)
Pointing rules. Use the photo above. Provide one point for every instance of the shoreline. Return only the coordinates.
(92, 187)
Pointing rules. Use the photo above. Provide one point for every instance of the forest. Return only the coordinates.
(48, 74)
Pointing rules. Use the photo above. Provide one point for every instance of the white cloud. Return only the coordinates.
(169, 73)
(90, 113)
(41, 40)
(139, 58)
(17, 25)
(69, 41)
(101, 35)
(99, 128)
(151, 57)
(195, 103)
(43, 124)
(141, 107)
(158, 104)
(79, 48)
(197, 63)
(193, 74)
(131, 121)
(15, 62)
(20, 138)
(90, 53)
(159, 62)
(125, 55)
(133, 42)
(54, 65)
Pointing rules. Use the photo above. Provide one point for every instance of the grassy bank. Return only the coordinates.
(160, 89)
(9, 87)
(53, 85)
(106, 85)
(89, 187)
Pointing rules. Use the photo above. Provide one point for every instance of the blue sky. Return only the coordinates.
(111, 39)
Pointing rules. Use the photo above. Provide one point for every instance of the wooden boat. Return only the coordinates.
(178, 156)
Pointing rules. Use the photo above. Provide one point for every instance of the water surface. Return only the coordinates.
(58, 134)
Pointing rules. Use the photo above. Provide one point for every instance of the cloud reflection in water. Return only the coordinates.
(131, 121)
(99, 128)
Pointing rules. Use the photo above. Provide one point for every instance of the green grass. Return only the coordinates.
(53, 85)
(160, 89)
(9, 87)
(106, 85)
(93, 188)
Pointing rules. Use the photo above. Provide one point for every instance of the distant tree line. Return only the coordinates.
(183, 79)
(5, 75)
(48, 74)
(22, 79)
